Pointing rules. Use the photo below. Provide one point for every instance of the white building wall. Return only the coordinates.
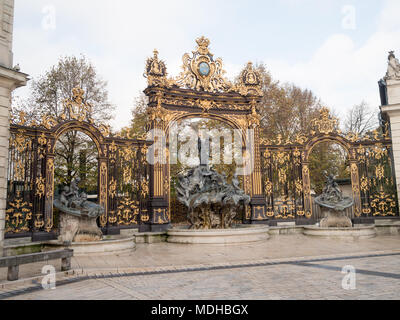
(9, 80)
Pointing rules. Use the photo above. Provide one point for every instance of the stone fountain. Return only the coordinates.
(213, 207)
(335, 223)
(78, 215)
(333, 205)
(212, 203)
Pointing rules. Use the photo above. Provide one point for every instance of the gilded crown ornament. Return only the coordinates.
(325, 124)
(203, 44)
(156, 71)
(249, 81)
(202, 72)
(77, 108)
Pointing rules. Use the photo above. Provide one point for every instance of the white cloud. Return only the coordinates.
(341, 73)
(118, 36)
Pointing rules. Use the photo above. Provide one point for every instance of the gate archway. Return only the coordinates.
(136, 193)
(202, 91)
(286, 169)
(30, 192)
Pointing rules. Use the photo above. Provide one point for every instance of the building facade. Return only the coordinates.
(390, 109)
(10, 79)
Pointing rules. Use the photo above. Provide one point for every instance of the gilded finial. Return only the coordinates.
(22, 118)
(203, 44)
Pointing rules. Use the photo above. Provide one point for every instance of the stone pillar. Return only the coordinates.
(9, 80)
(389, 88)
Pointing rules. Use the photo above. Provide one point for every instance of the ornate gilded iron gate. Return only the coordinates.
(26, 183)
(128, 186)
(135, 193)
(286, 173)
(123, 175)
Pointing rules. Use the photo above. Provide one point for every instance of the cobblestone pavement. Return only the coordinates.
(287, 267)
(377, 277)
(169, 254)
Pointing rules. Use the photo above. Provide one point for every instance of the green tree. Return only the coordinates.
(140, 119)
(47, 95)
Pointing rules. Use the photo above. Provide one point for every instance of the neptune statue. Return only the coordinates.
(212, 203)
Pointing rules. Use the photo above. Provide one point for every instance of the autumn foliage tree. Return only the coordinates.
(285, 109)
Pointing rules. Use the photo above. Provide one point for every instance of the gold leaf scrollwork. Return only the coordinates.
(364, 185)
(206, 105)
(249, 81)
(112, 217)
(50, 173)
(42, 142)
(144, 217)
(21, 142)
(254, 118)
(112, 149)
(299, 187)
(202, 72)
(268, 187)
(48, 121)
(18, 215)
(76, 108)
(128, 211)
(383, 204)
(39, 221)
(112, 188)
(49, 224)
(325, 123)
(379, 172)
(144, 186)
(40, 186)
(156, 72)
(270, 211)
(19, 170)
(127, 175)
(105, 130)
(103, 220)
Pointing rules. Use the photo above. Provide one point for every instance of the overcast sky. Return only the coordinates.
(336, 48)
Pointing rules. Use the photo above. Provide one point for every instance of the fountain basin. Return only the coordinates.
(238, 234)
(353, 233)
(106, 246)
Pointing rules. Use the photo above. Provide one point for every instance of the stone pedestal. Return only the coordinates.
(240, 234)
(78, 229)
(336, 219)
(109, 246)
(354, 233)
(390, 110)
